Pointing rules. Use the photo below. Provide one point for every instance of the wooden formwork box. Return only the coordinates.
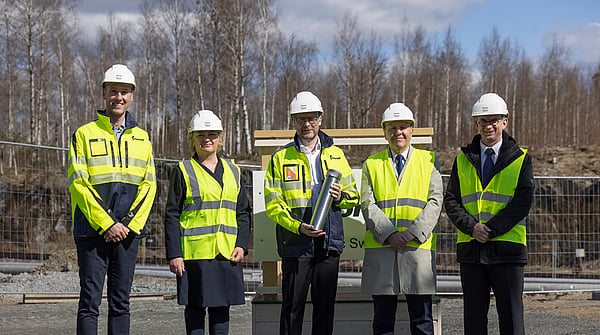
(353, 310)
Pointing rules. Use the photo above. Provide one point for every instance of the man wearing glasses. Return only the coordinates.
(310, 257)
(488, 198)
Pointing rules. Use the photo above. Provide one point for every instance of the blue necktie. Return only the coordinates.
(399, 163)
(488, 165)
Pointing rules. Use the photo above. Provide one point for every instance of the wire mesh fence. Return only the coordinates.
(35, 217)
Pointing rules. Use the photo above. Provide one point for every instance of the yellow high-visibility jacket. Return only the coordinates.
(110, 181)
(288, 196)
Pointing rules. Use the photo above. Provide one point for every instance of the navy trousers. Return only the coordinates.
(321, 274)
(507, 282)
(116, 261)
(419, 312)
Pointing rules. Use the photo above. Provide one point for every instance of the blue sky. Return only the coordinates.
(532, 24)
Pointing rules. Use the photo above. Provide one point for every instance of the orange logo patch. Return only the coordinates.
(290, 172)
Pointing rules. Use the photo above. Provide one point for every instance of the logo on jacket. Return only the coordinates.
(136, 138)
(334, 157)
(290, 172)
(98, 147)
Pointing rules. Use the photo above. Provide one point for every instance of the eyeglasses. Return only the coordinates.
(210, 136)
(485, 123)
(303, 120)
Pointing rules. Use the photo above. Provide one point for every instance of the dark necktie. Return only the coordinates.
(488, 165)
(399, 163)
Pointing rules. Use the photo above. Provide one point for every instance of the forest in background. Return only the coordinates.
(231, 56)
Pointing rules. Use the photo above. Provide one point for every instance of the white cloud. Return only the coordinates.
(316, 20)
(89, 23)
(582, 41)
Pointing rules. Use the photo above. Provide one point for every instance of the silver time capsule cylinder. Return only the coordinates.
(319, 216)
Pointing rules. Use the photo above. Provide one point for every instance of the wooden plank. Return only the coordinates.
(361, 132)
(271, 274)
(54, 298)
(265, 161)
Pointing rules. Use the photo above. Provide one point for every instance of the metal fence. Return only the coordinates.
(35, 220)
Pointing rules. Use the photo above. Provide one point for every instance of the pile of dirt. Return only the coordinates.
(583, 161)
(577, 304)
(570, 161)
(61, 261)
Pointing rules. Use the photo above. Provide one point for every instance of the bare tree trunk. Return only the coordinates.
(246, 127)
(514, 106)
(10, 75)
(446, 106)
(42, 99)
(61, 87)
(199, 56)
(175, 17)
(236, 107)
(162, 106)
(265, 18)
(33, 137)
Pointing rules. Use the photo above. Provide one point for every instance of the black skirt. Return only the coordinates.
(211, 283)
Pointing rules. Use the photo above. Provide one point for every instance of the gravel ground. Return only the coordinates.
(166, 317)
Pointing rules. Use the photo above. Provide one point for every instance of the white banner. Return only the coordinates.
(265, 244)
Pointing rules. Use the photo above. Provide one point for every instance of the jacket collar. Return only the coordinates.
(509, 151)
(326, 141)
(105, 120)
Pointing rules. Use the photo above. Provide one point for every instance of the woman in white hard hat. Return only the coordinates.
(207, 226)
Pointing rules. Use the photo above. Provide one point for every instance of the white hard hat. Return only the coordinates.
(489, 104)
(119, 73)
(205, 120)
(397, 112)
(305, 102)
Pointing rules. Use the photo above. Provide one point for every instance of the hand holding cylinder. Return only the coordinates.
(326, 196)
(309, 230)
(336, 192)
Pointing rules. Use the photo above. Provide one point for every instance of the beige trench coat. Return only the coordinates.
(387, 271)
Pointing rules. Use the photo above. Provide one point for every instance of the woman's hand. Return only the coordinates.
(176, 266)
(237, 255)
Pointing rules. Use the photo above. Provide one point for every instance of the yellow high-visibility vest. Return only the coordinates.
(208, 224)
(485, 203)
(401, 203)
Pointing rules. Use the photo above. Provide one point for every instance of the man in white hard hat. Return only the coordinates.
(488, 198)
(310, 257)
(401, 200)
(112, 184)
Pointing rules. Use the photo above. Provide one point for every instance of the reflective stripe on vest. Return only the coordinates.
(401, 203)
(208, 224)
(483, 204)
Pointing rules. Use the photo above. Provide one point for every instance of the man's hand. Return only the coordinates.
(309, 230)
(336, 192)
(176, 266)
(237, 255)
(398, 240)
(481, 233)
(117, 233)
